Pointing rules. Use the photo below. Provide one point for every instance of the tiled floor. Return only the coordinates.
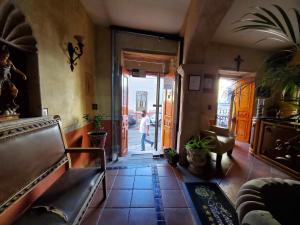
(133, 198)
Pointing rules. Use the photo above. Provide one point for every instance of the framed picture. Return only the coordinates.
(208, 83)
(195, 83)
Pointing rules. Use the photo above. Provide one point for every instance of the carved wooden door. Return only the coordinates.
(124, 122)
(244, 100)
(168, 113)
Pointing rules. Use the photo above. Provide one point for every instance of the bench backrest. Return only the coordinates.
(30, 149)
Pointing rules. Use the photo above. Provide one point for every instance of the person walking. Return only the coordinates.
(144, 130)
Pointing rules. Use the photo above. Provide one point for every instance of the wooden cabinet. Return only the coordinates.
(279, 144)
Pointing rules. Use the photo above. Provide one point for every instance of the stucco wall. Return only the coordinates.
(54, 23)
(103, 70)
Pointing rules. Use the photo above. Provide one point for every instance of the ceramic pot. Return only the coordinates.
(173, 160)
(197, 160)
(97, 138)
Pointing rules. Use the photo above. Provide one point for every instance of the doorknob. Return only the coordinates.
(154, 105)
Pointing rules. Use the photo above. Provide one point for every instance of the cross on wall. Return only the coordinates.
(238, 61)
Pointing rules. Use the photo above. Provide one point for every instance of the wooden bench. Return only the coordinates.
(37, 184)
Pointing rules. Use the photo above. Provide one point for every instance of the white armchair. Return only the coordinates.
(225, 141)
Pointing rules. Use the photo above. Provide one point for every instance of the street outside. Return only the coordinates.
(134, 140)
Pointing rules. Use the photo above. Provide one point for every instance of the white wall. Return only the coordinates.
(147, 84)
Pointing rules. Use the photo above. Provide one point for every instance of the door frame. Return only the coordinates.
(116, 88)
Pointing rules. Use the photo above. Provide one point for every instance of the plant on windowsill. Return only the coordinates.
(282, 69)
(172, 156)
(97, 136)
(198, 149)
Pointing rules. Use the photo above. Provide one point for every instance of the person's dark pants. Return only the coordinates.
(143, 140)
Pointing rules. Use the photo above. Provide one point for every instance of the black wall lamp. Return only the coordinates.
(75, 51)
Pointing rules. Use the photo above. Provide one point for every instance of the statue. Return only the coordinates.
(8, 91)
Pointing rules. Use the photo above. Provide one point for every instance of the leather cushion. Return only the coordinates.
(68, 194)
(25, 157)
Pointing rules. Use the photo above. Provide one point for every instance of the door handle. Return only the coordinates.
(154, 105)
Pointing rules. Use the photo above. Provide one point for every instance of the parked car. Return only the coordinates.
(153, 120)
(131, 120)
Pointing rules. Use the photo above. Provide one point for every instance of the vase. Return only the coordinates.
(197, 161)
(97, 138)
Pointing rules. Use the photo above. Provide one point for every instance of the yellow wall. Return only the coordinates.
(54, 23)
(103, 70)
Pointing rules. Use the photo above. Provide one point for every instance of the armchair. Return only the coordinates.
(224, 141)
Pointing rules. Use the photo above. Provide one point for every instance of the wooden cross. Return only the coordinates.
(238, 61)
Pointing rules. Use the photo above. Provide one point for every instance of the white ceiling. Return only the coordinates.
(165, 16)
(224, 32)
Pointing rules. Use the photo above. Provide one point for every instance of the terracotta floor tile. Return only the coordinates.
(119, 198)
(145, 171)
(109, 181)
(143, 182)
(142, 216)
(92, 216)
(123, 182)
(98, 201)
(178, 216)
(165, 171)
(173, 199)
(127, 172)
(114, 217)
(142, 198)
(168, 183)
(112, 172)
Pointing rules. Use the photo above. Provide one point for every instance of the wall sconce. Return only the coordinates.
(75, 51)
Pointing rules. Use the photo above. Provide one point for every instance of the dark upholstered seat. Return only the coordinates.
(68, 194)
(33, 155)
(269, 201)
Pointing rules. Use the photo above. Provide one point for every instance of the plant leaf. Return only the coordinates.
(298, 20)
(275, 19)
(287, 22)
(254, 27)
(266, 19)
(263, 39)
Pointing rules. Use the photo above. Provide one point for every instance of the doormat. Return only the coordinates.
(211, 204)
(142, 155)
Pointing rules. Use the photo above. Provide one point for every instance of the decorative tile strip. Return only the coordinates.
(158, 204)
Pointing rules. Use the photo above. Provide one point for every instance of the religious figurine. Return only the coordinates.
(8, 91)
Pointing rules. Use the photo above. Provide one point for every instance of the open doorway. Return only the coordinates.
(235, 104)
(143, 93)
(148, 90)
(226, 88)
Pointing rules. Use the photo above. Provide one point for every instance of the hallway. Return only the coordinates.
(150, 192)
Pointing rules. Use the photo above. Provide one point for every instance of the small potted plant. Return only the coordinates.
(198, 152)
(172, 156)
(97, 136)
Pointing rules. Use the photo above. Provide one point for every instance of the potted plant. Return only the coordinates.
(282, 69)
(172, 156)
(198, 152)
(97, 136)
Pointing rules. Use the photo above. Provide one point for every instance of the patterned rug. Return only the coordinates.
(211, 204)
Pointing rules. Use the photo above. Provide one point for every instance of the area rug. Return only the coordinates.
(211, 204)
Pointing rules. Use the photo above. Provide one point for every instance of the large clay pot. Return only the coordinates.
(197, 160)
(97, 138)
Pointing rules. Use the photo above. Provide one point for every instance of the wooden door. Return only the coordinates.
(244, 100)
(168, 113)
(124, 122)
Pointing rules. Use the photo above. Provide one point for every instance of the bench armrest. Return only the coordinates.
(101, 152)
